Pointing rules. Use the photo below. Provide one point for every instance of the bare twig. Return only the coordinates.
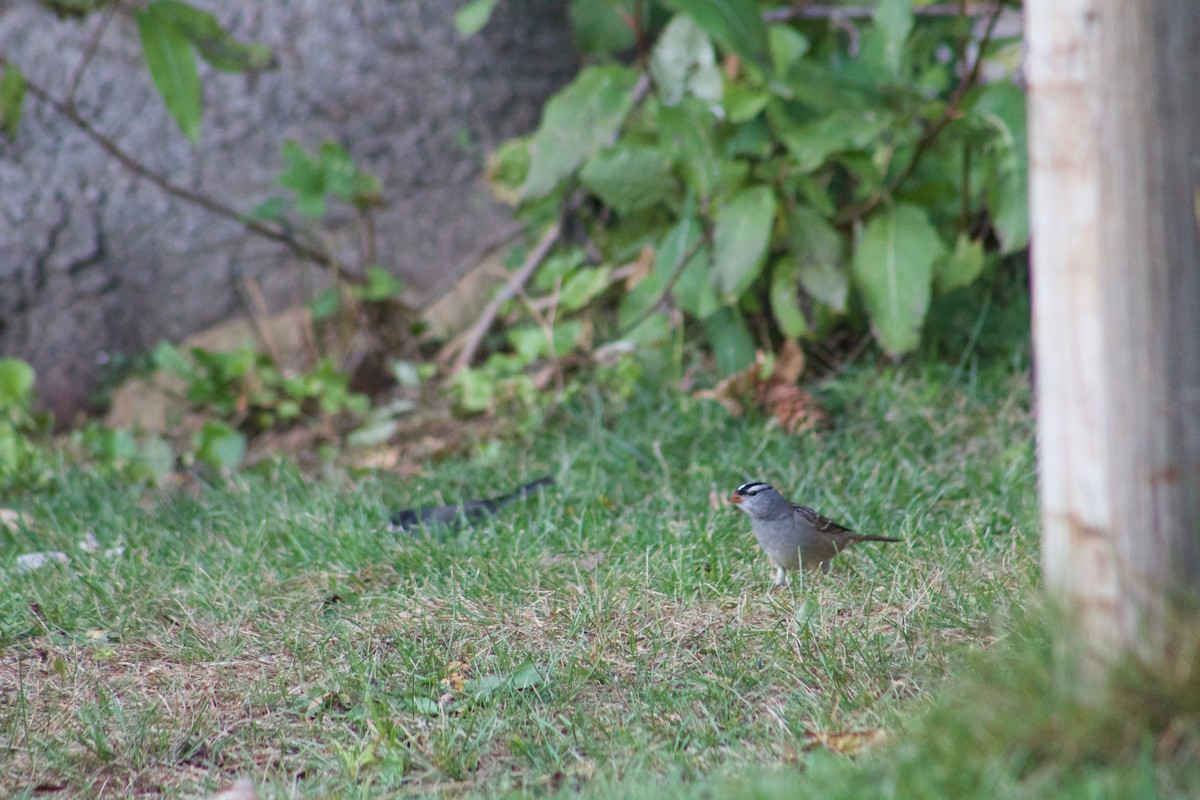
(466, 344)
(813, 11)
(89, 51)
(204, 201)
(676, 271)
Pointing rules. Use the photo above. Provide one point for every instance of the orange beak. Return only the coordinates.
(736, 498)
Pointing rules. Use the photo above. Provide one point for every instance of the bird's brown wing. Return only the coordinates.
(821, 523)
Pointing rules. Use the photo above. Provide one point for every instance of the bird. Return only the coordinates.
(791, 534)
(409, 519)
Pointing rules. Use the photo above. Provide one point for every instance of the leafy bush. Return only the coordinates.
(245, 388)
(798, 166)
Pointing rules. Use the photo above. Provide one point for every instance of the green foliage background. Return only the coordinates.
(802, 170)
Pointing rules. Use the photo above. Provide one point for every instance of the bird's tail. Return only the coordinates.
(871, 538)
(522, 491)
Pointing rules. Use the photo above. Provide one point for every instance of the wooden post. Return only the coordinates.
(1114, 106)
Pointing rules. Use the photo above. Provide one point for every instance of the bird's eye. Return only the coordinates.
(751, 489)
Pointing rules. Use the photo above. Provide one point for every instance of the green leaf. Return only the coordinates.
(157, 457)
(582, 286)
(381, 285)
(526, 676)
(219, 445)
(683, 62)
(16, 383)
(172, 65)
(787, 46)
(736, 24)
(961, 267)
(895, 19)
(686, 137)
(476, 390)
(785, 301)
(213, 42)
(893, 270)
(811, 143)
(12, 99)
(470, 18)
(743, 101)
(576, 123)
(600, 27)
(1006, 163)
(168, 358)
(629, 178)
(529, 342)
(731, 343)
(819, 252)
(324, 304)
(269, 210)
(742, 238)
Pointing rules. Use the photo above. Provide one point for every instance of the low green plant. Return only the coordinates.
(787, 171)
(22, 433)
(245, 388)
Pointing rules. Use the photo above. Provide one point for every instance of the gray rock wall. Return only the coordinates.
(94, 260)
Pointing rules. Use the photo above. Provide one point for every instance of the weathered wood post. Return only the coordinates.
(1115, 190)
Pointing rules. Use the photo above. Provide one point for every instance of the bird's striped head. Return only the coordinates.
(747, 490)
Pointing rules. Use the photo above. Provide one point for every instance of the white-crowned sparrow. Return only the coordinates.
(409, 519)
(792, 534)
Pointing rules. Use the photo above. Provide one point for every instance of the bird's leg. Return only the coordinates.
(780, 576)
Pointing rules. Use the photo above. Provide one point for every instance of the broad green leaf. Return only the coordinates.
(743, 101)
(381, 285)
(219, 445)
(566, 337)
(325, 303)
(172, 65)
(471, 17)
(742, 239)
(893, 270)
(736, 24)
(213, 42)
(16, 383)
(12, 99)
(787, 46)
(476, 390)
(819, 253)
(1006, 162)
(576, 123)
(271, 209)
(686, 137)
(529, 341)
(731, 343)
(526, 676)
(895, 19)
(168, 358)
(694, 291)
(683, 62)
(582, 286)
(629, 179)
(785, 300)
(811, 143)
(961, 267)
(600, 27)
(157, 457)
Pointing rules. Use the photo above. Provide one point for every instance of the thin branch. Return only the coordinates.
(866, 12)
(89, 51)
(948, 115)
(467, 343)
(297, 247)
(676, 271)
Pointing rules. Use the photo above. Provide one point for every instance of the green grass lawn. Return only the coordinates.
(612, 637)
